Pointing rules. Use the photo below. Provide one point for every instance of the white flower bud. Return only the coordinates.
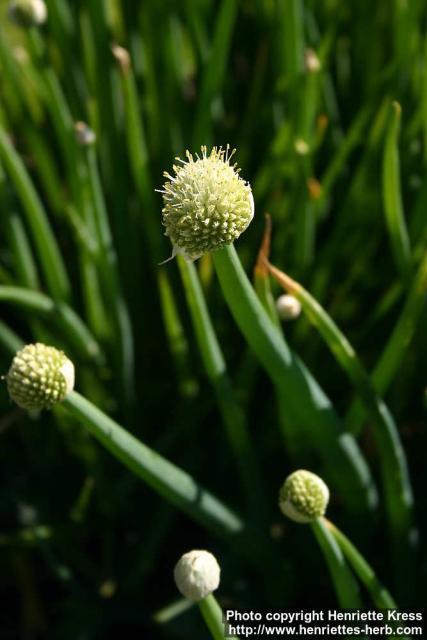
(197, 574)
(39, 377)
(311, 61)
(28, 13)
(288, 307)
(301, 147)
(303, 497)
(85, 136)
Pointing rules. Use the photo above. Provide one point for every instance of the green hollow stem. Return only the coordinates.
(346, 588)
(212, 615)
(233, 416)
(178, 488)
(172, 483)
(308, 405)
(379, 594)
(175, 485)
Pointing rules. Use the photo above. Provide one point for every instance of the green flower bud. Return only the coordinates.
(28, 13)
(197, 574)
(206, 203)
(303, 497)
(39, 377)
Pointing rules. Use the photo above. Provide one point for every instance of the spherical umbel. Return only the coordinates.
(304, 496)
(206, 203)
(197, 574)
(288, 307)
(39, 377)
(28, 13)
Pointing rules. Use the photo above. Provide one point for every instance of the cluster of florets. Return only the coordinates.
(206, 203)
(304, 496)
(39, 377)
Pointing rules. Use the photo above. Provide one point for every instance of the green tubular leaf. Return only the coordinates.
(353, 137)
(307, 403)
(403, 331)
(26, 270)
(62, 316)
(234, 419)
(139, 160)
(44, 239)
(109, 277)
(213, 76)
(178, 343)
(396, 347)
(392, 196)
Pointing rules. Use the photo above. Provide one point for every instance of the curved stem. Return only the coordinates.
(307, 404)
(212, 614)
(379, 594)
(171, 482)
(346, 588)
(234, 419)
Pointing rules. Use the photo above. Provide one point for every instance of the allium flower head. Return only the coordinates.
(304, 496)
(39, 377)
(206, 203)
(197, 574)
(28, 13)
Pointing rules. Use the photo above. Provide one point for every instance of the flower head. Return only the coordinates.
(197, 574)
(39, 377)
(28, 13)
(206, 203)
(304, 496)
(288, 307)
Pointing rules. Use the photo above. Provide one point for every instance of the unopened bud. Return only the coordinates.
(288, 307)
(197, 574)
(311, 61)
(39, 377)
(304, 496)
